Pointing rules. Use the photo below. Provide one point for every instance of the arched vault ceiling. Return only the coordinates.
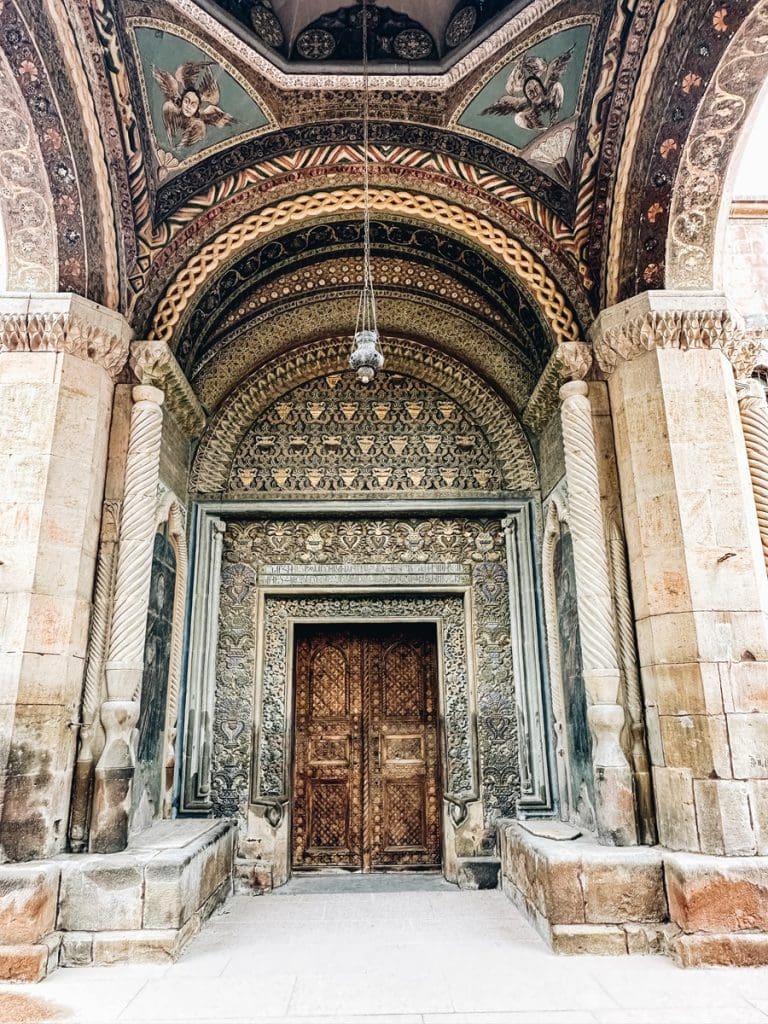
(517, 260)
(301, 320)
(215, 216)
(414, 251)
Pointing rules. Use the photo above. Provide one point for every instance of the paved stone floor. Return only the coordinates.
(429, 955)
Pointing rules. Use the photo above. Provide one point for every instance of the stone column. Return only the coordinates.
(753, 409)
(696, 564)
(125, 661)
(614, 798)
(59, 356)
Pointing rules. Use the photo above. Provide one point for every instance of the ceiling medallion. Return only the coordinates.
(366, 357)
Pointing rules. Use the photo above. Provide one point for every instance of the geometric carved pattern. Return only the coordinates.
(397, 434)
(404, 813)
(262, 388)
(207, 262)
(329, 683)
(404, 691)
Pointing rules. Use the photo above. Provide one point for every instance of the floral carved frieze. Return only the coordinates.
(154, 363)
(477, 661)
(65, 323)
(677, 320)
(398, 434)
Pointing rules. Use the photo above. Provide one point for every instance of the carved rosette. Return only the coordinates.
(65, 323)
(754, 421)
(154, 364)
(662, 321)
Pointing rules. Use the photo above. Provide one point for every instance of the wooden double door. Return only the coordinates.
(366, 779)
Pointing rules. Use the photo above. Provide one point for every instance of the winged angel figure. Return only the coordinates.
(191, 103)
(534, 92)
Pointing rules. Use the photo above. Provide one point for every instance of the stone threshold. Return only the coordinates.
(586, 898)
(92, 909)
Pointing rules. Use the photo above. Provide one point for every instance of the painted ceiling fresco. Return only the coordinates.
(313, 32)
(194, 103)
(532, 102)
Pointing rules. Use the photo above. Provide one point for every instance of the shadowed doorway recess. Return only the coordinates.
(366, 765)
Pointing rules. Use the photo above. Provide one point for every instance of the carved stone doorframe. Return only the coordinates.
(269, 817)
(441, 550)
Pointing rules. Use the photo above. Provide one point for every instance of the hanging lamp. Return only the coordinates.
(366, 357)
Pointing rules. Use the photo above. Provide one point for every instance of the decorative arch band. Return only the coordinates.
(520, 260)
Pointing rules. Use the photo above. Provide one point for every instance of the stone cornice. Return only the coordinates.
(154, 364)
(667, 319)
(570, 360)
(64, 322)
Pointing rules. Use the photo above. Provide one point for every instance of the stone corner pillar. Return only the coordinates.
(696, 562)
(59, 357)
(125, 658)
(614, 795)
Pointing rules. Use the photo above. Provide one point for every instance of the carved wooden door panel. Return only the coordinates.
(366, 791)
(327, 792)
(403, 750)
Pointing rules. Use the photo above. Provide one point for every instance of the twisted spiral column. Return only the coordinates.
(99, 633)
(614, 798)
(753, 409)
(125, 662)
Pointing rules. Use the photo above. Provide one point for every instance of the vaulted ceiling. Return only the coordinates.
(428, 35)
(203, 161)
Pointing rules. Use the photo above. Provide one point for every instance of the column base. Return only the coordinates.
(586, 898)
(111, 809)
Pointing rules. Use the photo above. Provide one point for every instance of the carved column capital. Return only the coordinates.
(63, 322)
(571, 360)
(666, 319)
(154, 364)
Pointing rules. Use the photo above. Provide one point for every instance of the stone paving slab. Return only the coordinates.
(417, 957)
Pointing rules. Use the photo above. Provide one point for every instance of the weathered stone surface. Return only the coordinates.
(717, 894)
(478, 872)
(598, 940)
(253, 876)
(76, 949)
(724, 818)
(28, 895)
(101, 893)
(623, 885)
(737, 950)
(24, 962)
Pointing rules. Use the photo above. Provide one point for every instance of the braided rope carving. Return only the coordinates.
(134, 560)
(510, 251)
(99, 632)
(754, 421)
(586, 519)
(633, 689)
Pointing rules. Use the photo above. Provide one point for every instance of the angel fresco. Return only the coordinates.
(534, 93)
(191, 104)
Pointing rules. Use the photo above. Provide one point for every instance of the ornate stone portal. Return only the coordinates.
(453, 571)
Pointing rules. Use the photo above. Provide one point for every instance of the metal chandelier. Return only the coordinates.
(366, 357)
